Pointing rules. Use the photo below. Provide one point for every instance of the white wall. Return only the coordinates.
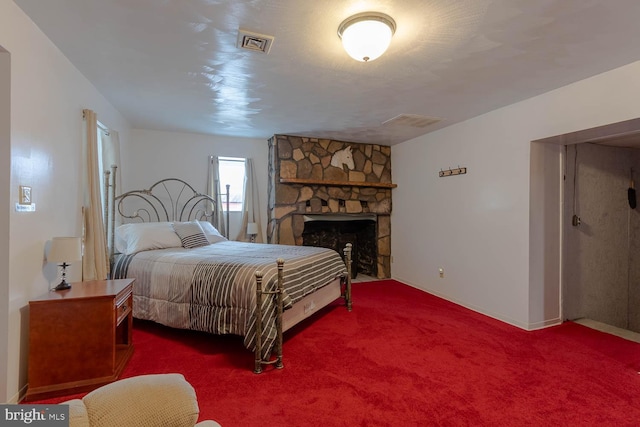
(155, 155)
(477, 226)
(47, 98)
(5, 178)
(545, 234)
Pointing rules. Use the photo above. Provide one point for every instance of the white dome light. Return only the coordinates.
(367, 35)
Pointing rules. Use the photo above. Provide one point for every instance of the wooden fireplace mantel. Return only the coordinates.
(329, 183)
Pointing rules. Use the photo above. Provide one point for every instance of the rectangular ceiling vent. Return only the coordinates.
(253, 41)
(412, 120)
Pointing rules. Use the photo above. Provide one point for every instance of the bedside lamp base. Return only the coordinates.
(62, 286)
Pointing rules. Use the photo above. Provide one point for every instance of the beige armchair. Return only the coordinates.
(146, 400)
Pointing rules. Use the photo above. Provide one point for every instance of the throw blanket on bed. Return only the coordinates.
(213, 288)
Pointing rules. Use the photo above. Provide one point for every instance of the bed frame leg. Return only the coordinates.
(347, 289)
(258, 352)
(278, 294)
(279, 297)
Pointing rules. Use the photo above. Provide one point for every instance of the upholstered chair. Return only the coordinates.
(146, 400)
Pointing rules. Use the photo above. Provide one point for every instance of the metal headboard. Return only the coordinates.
(169, 199)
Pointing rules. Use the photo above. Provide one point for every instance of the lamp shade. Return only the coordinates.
(367, 35)
(252, 228)
(65, 249)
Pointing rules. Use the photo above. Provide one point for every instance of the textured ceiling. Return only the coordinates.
(173, 64)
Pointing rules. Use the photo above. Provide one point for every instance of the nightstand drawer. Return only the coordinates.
(123, 308)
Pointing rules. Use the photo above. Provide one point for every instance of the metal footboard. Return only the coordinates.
(277, 293)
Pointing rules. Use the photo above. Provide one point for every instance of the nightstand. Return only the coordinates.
(79, 339)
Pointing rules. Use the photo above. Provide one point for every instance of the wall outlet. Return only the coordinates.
(441, 272)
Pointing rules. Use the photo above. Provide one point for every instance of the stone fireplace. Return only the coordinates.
(323, 192)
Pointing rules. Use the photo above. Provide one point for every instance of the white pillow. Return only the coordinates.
(213, 235)
(136, 237)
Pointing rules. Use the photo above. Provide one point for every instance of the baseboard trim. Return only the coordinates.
(522, 325)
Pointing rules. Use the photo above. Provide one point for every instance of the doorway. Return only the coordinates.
(599, 251)
(601, 240)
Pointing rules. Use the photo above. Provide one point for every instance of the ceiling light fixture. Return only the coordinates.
(367, 35)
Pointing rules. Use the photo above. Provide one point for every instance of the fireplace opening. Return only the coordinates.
(334, 232)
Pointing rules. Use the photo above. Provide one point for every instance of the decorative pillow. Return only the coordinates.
(213, 235)
(136, 237)
(190, 234)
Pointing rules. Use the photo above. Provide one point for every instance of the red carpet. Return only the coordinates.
(405, 358)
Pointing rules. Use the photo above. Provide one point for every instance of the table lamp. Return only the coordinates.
(65, 250)
(252, 230)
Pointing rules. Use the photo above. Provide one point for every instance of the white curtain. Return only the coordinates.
(213, 190)
(95, 263)
(251, 204)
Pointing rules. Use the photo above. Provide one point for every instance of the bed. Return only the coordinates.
(190, 276)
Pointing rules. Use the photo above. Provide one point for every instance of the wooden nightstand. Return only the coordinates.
(79, 339)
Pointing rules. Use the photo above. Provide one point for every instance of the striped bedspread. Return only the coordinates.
(213, 288)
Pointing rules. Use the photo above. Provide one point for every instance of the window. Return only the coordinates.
(102, 130)
(231, 170)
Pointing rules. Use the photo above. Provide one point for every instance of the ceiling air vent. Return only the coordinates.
(413, 120)
(253, 41)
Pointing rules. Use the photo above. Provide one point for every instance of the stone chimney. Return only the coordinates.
(328, 177)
